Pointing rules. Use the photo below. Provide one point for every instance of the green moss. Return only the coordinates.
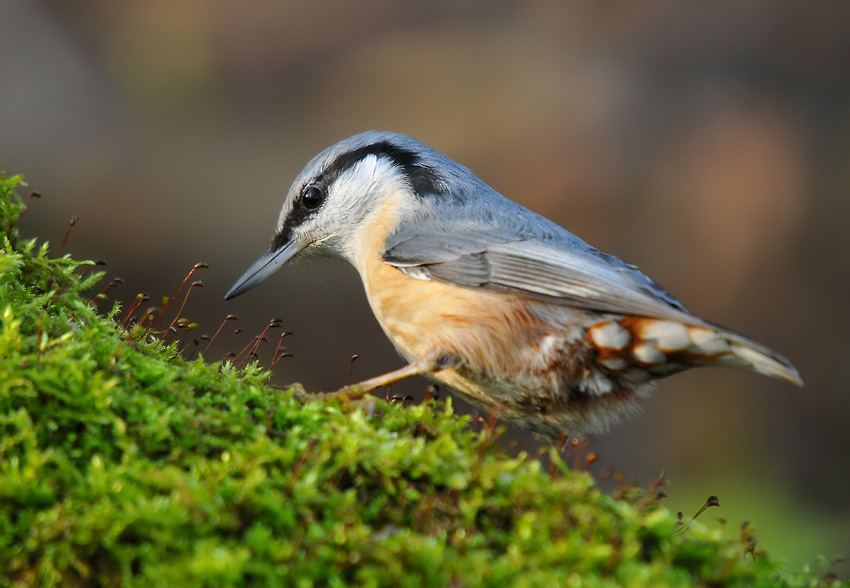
(123, 464)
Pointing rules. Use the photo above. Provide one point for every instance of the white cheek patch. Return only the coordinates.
(352, 198)
(364, 182)
(362, 205)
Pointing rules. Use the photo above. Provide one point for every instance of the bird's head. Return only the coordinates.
(334, 199)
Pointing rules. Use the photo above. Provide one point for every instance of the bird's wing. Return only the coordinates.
(552, 267)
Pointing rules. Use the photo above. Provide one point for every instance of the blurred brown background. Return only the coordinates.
(708, 143)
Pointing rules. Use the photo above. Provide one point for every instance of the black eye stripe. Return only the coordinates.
(424, 180)
(280, 239)
(309, 200)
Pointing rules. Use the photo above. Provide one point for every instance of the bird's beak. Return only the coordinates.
(271, 261)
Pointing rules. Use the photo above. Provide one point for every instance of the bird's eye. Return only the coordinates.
(312, 197)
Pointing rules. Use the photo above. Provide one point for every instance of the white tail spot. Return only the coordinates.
(708, 342)
(609, 335)
(648, 353)
(668, 335)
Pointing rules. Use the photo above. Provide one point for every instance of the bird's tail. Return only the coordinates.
(751, 355)
(645, 347)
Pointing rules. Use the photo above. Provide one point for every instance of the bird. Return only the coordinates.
(512, 312)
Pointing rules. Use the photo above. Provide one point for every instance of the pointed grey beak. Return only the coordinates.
(269, 263)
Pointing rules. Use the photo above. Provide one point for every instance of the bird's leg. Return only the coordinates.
(420, 367)
(433, 362)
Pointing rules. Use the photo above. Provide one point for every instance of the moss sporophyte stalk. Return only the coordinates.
(124, 463)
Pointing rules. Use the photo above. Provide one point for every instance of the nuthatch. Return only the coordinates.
(503, 306)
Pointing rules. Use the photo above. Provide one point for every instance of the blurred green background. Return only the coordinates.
(709, 143)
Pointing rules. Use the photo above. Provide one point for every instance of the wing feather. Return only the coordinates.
(560, 271)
